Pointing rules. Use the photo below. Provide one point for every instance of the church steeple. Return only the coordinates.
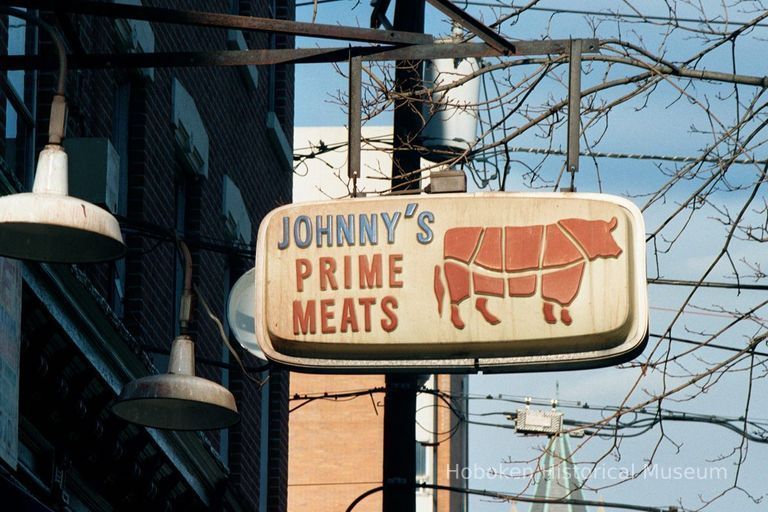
(558, 478)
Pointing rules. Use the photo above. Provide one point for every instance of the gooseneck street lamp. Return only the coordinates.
(178, 400)
(47, 224)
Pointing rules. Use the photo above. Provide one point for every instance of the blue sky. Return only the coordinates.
(662, 127)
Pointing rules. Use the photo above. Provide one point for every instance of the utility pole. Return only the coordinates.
(399, 471)
(409, 17)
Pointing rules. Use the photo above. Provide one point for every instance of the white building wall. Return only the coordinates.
(324, 176)
(426, 432)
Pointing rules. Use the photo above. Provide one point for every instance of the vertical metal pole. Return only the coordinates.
(399, 468)
(355, 115)
(574, 108)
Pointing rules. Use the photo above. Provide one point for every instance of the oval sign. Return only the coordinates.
(454, 282)
(241, 306)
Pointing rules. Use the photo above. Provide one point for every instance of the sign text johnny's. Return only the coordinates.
(359, 275)
(458, 282)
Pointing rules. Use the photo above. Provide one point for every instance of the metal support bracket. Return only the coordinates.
(355, 120)
(574, 109)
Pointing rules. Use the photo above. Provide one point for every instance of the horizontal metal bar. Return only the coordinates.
(228, 21)
(288, 56)
(222, 58)
(467, 50)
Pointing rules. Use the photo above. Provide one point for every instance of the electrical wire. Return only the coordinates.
(509, 497)
(516, 399)
(482, 156)
(611, 430)
(353, 394)
(636, 427)
(161, 233)
(578, 404)
(706, 344)
(225, 339)
(607, 14)
(617, 155)
(309, 398)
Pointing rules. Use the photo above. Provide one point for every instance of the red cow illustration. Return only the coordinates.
(509, 261)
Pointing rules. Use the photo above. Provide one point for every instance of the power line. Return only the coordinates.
(574, 404)
(706, 344)
(607, 430)
(512, 497)
(688, 311)
(610, 14)
(566, 404)
(161, 233)
(611, 430)
(662, 413)
(706, 284)
(607, 14)
(625, 156)
(484, 156)
(335, 397)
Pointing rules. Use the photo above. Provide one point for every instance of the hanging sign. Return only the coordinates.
(454, 282)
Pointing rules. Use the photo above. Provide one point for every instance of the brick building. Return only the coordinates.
(195, 153)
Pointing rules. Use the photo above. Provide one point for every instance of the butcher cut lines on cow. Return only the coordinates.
(510, 261)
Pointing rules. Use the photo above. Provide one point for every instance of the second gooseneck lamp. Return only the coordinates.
(178, 399)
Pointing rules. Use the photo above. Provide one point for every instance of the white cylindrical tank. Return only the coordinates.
(451, 117)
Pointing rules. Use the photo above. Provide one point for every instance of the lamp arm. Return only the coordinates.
(58, 118)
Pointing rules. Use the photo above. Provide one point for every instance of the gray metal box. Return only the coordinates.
(448, 181)
(531, 421)
(94, 171)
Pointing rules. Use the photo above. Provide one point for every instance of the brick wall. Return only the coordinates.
(285, 10)
(234, 117)
(336, 446)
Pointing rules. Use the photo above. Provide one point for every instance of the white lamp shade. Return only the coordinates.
(177, 400)
(48, 225)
